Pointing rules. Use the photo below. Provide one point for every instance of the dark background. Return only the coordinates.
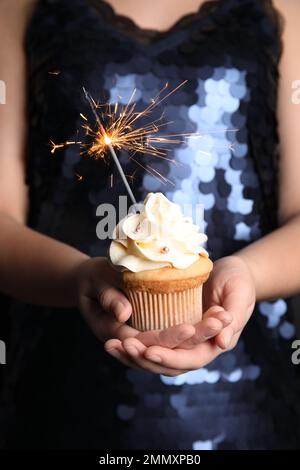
(296, 313)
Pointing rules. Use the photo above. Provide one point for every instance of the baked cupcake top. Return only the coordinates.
(158, 236)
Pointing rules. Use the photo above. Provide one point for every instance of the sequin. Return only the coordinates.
(232, 75)
(232, 177)
(206, 174)
(273, 311)
(287, 330)
(125, 412)
(202, 445)
(234, 376)
(252, 372)
(178, 401)
(242, 231)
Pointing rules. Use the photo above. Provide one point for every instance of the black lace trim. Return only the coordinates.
(146, 36)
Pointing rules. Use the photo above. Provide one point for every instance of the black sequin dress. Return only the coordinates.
(63, 390)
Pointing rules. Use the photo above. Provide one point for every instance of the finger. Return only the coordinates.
(115, 329)
(114, 301)
(133, 350)
(114, 348)
(220, 313)
(189, 359)
(214, 320)
(169, 337)
(112, 343)
(123, 358)
(173, 336)
(103, 324)
(224, 338)
(136, 350)
(204, 330)
(234, 303)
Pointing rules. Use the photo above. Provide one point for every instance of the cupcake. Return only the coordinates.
(163, 263)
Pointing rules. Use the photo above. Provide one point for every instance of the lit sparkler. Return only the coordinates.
(122, 129)
(105, 139)
(118, 129)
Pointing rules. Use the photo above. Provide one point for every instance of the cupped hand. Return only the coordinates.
(228, 300)
(106, 309)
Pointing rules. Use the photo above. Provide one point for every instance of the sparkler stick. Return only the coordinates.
(108, 143)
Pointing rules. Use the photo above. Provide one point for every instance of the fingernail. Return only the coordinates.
(119, 307)
(114, 352)
(132, 351)
(226, 341)
(213, 330)
(209, 336)
(154, 358)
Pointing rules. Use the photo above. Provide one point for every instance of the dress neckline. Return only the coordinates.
(146, 36)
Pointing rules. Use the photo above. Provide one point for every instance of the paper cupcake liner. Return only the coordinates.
(153, 311)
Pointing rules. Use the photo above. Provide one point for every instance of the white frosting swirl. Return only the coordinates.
(158, 236)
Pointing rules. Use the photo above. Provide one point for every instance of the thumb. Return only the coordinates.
(114, 301)
(238, 306)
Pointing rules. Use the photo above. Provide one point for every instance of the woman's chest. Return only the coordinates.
(210, 118)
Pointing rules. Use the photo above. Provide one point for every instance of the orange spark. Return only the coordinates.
(59, 146)
(56, 146)
(123, 131)
(107, 139)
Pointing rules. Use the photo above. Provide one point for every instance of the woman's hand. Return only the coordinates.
(230, 292)
(231, 286)
(106, 309)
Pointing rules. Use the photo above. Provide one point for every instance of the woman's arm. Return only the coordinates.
(14, 16)
(33, 267)
(275, 259)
